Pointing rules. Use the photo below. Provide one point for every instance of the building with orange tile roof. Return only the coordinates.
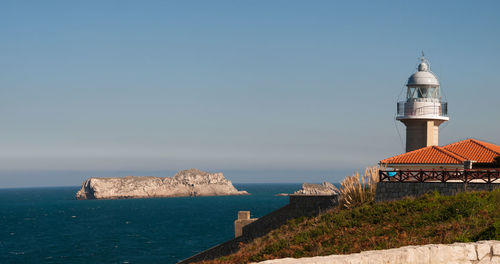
(452, 156)
(475, 150)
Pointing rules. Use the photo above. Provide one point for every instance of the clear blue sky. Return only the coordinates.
(264, 91)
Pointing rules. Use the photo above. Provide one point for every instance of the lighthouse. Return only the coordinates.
(423, 110)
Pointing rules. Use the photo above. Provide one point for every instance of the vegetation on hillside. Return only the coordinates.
(429, 219)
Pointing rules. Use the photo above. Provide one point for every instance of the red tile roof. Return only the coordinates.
(472, 149)
(427, 155)
(455, 153)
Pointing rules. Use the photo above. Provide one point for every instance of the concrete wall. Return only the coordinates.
(483, 252)
(388, 191)
(299, 205)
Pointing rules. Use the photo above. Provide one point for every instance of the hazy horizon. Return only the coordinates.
(273, 91)
(236, 177)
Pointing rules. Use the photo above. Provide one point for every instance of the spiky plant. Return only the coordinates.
(358, 189)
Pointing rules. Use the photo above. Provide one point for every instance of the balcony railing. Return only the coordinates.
(411, 109)
(465, 176)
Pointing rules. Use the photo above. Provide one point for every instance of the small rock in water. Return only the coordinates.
(325, 188)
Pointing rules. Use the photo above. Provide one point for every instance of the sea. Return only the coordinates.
(48, 225)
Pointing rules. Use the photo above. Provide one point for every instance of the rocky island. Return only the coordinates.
(190, 182)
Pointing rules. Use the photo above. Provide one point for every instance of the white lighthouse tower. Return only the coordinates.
(423, 111)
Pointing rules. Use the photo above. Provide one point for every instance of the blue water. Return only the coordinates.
(47, 225)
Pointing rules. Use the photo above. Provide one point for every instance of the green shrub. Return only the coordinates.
(492, 232)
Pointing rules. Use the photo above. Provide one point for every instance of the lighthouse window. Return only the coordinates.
(431, 92)
(422, 92)
(436, 92)
(412, 92)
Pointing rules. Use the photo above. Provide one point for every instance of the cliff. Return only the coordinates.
(190, 182)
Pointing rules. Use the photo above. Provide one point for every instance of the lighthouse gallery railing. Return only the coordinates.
(405, 109)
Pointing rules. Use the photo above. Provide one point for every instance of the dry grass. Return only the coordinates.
(359, 189)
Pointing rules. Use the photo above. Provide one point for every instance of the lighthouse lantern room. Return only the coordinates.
(423, 111)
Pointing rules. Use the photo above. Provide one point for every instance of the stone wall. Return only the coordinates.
(299, 205)
(388, 191)
(482, 252)
(242, 221)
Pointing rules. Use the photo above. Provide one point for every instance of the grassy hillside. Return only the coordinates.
(429, 219)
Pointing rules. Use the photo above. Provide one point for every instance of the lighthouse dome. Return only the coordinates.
(423, 76)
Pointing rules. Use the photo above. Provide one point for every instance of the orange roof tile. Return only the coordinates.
(455, 153)
(473, 149)
(427, 155)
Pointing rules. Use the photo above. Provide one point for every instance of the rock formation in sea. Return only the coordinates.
(325, 188)
(190, 182)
